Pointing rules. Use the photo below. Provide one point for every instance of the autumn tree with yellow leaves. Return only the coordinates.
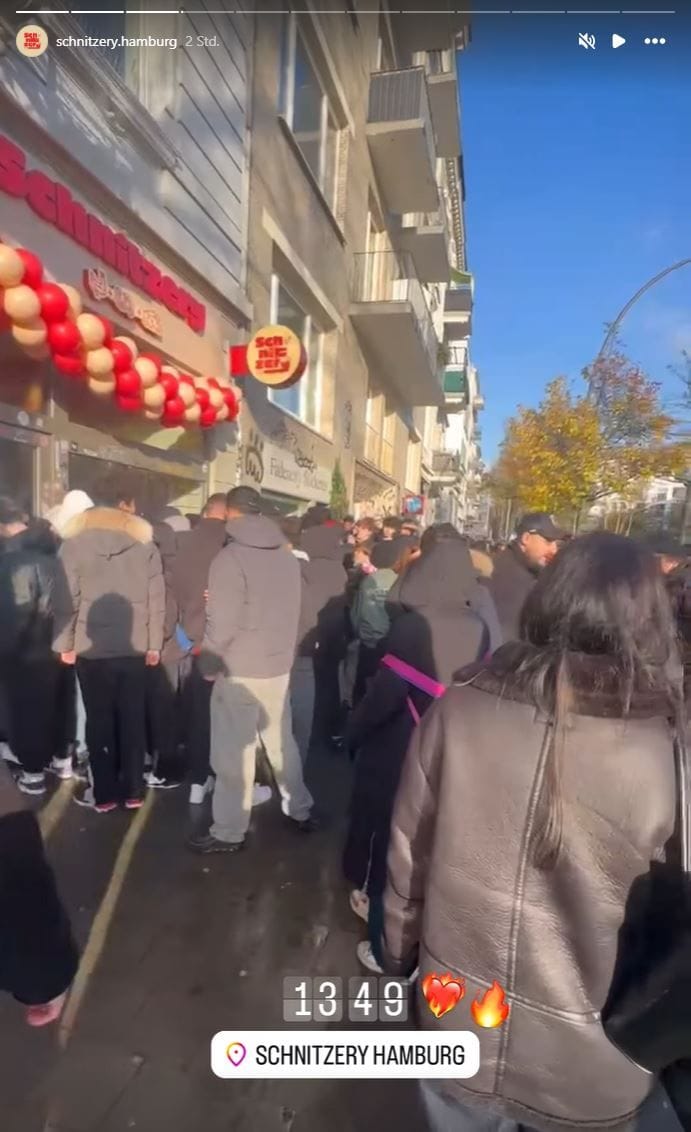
(576, 447)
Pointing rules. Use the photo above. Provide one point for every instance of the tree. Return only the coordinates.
(575, 448)
(338, 502)
(551, 456)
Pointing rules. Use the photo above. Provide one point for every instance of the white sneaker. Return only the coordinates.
(260, 794)
(198, 791)
(7, 754)
(62, 768)
(158, 782)
(32, 783)
(366, 957)
(359, 902)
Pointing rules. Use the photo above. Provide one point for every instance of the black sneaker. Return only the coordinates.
(204, 843)
(308, 825)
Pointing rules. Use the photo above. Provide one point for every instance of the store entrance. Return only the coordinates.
(18, 473)
(155, 490)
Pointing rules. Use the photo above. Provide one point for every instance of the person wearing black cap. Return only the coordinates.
(248, 650)
(516, 570)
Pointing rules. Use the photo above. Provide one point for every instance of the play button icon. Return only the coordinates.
(618, 41)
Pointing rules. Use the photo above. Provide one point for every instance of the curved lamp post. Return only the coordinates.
(609, 339)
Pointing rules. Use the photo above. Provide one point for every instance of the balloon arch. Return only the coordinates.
(47, 321)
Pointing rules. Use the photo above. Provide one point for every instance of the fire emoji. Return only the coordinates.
(490, 1010)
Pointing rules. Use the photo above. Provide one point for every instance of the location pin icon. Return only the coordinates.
(236, 1053)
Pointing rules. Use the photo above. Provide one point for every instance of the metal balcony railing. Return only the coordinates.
(389, 277)
(401, 96)
(439, 62)
(437, 219)
(446, 463)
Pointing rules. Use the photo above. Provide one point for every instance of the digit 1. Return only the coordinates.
(303, 1012)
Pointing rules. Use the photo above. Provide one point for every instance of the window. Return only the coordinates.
(388, 438)
(309, 115)
(380, 432)
(303, 400)
(109, 25)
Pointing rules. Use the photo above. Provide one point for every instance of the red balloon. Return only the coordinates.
(174, 407)
(170, 385)
(153, 358)
(33, 268)
(187, 379)
(128, 383)
(108, 327)
(208, 418)
(128, 404)
(54, 302)
(73, 367)
(5, 321)
(122, 356)
(63, 337)
(213, 382)
(203, 398)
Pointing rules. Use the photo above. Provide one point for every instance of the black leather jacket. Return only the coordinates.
(27, 576)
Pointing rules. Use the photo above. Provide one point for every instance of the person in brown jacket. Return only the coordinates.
(533, 796)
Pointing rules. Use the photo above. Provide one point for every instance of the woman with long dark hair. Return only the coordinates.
(533, 796)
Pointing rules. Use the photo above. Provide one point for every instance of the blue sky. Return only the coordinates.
(578, 181)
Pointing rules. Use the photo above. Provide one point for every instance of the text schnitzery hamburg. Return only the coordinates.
(54, 203)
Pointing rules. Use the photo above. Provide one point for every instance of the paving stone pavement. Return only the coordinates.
(194, 945)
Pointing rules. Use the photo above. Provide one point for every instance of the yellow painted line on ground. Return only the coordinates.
(50, 815)
(102, 921)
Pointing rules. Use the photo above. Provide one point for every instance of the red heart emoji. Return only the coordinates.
(442, 992)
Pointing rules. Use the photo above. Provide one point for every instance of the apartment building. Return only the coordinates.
(125, 170)
(354, 230)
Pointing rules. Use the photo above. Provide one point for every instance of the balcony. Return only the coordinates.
(458, 307)
(391, 318)
(442, 91)
(426, 236)
(446, 467)
(401, 140)
(417, 30)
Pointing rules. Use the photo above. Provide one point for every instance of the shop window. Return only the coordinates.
(17, 468)
(154, 490)
(303, 400)
(308, 112)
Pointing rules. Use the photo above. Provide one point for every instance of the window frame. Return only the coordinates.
(328, 112)
(311, 324)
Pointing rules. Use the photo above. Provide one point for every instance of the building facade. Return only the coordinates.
(354, 227)
(125, 170)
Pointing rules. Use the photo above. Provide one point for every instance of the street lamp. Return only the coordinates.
(606, 345)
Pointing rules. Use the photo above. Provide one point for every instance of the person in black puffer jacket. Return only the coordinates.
(28, 667)
(323, 626)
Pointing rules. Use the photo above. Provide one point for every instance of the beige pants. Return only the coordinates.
(243, 711)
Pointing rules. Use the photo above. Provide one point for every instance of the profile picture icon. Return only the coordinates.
(32, 40)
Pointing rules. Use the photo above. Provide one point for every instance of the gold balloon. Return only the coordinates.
(154, 397)
(74, 299)
(147, 371)
(99, 362)
(215, 398)
(193, 414)
(222, 413)
(171, 370)
(187, 394)
(11, 267)
(102, 388)
(153, 414)
(22, 303)
(92, 330)
(33, 333)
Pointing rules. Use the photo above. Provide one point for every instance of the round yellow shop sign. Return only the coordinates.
(276, 357)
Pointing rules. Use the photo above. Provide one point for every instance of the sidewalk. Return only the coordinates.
(190, 946)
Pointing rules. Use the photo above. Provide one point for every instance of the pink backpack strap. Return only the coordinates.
(413, 676)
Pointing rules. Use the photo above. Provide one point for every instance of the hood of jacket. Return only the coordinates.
(110, 531)
(255, 531)
(442, 577)
(38, 538)
(323, 543)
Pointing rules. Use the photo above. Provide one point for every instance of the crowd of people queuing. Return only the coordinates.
(511, 714)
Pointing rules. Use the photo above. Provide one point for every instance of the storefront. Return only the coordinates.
(374, 494)
(59, 432)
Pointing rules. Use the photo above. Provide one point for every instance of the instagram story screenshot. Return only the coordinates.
(345, 566)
